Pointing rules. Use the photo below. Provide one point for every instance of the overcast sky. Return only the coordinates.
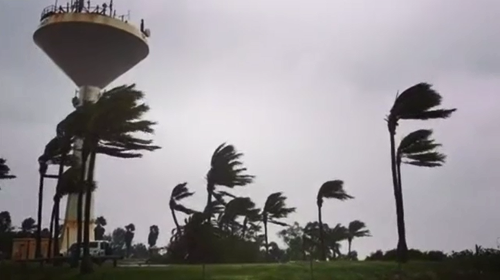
(302, 89)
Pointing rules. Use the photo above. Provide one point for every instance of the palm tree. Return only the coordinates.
(99, 230)
(154, 231)
(274, 210)
(237, 207)
(335, 235)
(330, 189)
(356, 229)
(226, 170)
(5, 170)
(418, 102)
(179, 192)
(107, 126)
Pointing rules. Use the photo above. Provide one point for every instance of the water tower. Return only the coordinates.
(93, 46)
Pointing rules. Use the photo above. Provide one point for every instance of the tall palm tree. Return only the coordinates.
(107, 126)
(226, 170)
(356, 229)
(179, 193)
(274, 210)
(5, 170)
(418, 102)
(330, 189)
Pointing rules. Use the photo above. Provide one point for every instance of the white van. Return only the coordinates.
(96, 248)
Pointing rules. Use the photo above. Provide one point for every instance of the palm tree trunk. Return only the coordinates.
(38, 248)
(349, 242)
(321, 237)
(402, 243)
(401, 248)
(79, 204)
(86, 266)
(57, 202)
(51, 233)
(265, 235)
(175, 221)
(210, 190)
(244, 229)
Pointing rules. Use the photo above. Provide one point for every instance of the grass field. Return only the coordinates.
(297, 271)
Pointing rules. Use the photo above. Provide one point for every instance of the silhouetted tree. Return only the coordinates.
(99, 230)
(154, 231)
(418, 102)
(356, 229)
(5, 222)
(226, 170)
(179, 192)
(28, 225)
(274, 210)
(5, 170)
(330, 189)
(129, 237)
(107, 126)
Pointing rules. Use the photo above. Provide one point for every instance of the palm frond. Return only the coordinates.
(332, 189)
(5, 170)
(417, 148)
(275, 207)
(418, 102)
(227, 169)
(357, 229)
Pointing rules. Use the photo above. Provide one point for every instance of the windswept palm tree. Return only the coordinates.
(5, 170)
(226, 170)
(331, 189)
(274, 210)
(334, 236)
(179, 192)
(356, 229)
(108, 126)
(418, 102)
(235, 208)
(99, 230)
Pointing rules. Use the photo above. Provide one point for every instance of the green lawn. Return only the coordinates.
(342, 270)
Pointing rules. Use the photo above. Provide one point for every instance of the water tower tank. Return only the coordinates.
(90, 44)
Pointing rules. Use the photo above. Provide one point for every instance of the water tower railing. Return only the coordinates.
(86, 9)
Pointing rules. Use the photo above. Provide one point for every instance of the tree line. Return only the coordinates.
(109, 127)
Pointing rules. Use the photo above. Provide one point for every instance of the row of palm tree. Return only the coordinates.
(109, 127)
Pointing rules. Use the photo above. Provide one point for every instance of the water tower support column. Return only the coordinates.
(86, 94)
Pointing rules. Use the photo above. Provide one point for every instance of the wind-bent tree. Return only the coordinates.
(154, 231)
(274, 210)
(28, 225)
(226, 170)
(5, 222)
(129, 237)
(5, 170)
(418, 102)
(179, 193)
(109, 127)
(335, 235)
(235, 208)
(356, 229)
(330, 189)
(99, 230)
